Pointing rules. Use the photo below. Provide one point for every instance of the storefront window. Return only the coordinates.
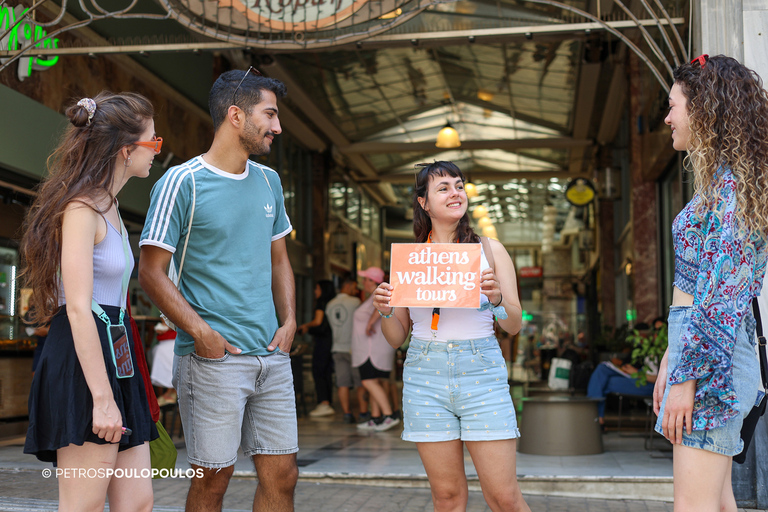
(347, 201)
(365, 214)
(337, 197)
(353, 206)
(375, 222)
(9, 317)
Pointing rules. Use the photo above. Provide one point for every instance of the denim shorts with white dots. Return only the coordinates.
(457, 390)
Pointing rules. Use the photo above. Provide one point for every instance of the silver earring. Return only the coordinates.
(128, 162)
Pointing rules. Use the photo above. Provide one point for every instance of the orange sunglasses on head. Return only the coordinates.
(155, 144)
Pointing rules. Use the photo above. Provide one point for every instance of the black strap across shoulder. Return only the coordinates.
(761, 343)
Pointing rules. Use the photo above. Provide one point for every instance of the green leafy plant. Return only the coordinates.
(647, 347)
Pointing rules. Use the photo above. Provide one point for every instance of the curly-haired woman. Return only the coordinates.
(455, 388)
(88, 410)
(709, 377)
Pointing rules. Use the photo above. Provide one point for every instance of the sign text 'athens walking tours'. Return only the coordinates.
(435, 275)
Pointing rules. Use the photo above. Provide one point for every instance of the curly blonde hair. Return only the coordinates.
(728, 115)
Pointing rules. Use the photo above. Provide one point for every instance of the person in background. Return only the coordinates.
(455, 390)
(162, 364)
(340, 311)
(88, 406)
(610, 378)
(322, 337)
(372, 355)
(709, 377)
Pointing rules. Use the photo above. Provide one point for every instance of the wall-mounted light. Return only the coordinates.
(448, 138)
(470, 189)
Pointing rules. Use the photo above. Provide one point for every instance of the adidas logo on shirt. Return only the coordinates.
(268, 209)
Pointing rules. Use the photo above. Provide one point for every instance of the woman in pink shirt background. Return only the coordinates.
(372, 354)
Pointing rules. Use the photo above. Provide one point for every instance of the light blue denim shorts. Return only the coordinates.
(457, 390)
(236, 401)
(725, 440)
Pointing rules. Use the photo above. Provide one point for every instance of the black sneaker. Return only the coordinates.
(349, 418)
(363, 417)
(396, 415)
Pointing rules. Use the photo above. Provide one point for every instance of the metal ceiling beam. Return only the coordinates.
(429, 147)
(477, 102)
(479, 35)
(584, 105)
(487, 176)
(382, 41)
(301, 99)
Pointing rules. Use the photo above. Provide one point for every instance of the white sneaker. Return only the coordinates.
(369, 425)
(387, 424)
(322, 410)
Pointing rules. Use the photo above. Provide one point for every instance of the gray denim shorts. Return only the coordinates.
(346, 375)
(236, 401)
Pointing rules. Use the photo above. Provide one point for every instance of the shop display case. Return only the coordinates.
(16, 344)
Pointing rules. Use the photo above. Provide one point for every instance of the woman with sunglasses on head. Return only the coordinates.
(88, 410)
(709, 377)
(455, 388)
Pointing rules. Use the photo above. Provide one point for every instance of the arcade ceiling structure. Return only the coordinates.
(534, 88)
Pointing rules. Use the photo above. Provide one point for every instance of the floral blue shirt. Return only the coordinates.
(723, 270)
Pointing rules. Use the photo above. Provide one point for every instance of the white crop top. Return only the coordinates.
(455, 323)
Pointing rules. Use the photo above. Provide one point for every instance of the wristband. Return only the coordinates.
(392, 312)
(501, 299)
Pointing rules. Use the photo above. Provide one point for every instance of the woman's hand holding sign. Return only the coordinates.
(394, 331)
(489, 286)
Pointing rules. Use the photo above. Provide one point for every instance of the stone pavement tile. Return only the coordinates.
(170, 494)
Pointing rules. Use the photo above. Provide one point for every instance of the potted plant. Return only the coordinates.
(648, 346)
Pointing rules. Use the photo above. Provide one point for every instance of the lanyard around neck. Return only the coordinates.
(435, 311)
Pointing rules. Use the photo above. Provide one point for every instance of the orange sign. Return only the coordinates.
(435, 275)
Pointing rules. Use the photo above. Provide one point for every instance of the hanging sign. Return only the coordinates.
(296, 15)
(435, 275)
(580, 192)
(528, 272)
(25, 34)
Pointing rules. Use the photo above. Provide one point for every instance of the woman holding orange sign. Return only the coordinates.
(454, 378)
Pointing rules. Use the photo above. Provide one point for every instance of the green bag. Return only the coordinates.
(163, 453)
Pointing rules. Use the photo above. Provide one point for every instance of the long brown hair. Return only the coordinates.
(422, 222)
(81, 168)
(728, 116)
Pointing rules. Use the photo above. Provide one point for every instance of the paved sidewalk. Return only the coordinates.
(28, 491)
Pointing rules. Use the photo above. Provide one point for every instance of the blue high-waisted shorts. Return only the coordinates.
(725, 440)
(457, 390)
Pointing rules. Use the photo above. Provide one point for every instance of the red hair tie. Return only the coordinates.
(702, 60)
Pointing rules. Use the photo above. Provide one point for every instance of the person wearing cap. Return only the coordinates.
(372, 355)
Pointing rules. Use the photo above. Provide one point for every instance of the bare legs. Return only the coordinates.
(495, 463)
(277, 481)
(86, 493)
(378, 396)
(702, 481)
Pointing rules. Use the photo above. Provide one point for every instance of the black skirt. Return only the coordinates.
(60, 402)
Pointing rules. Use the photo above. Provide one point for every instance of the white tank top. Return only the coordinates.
(455, 323)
